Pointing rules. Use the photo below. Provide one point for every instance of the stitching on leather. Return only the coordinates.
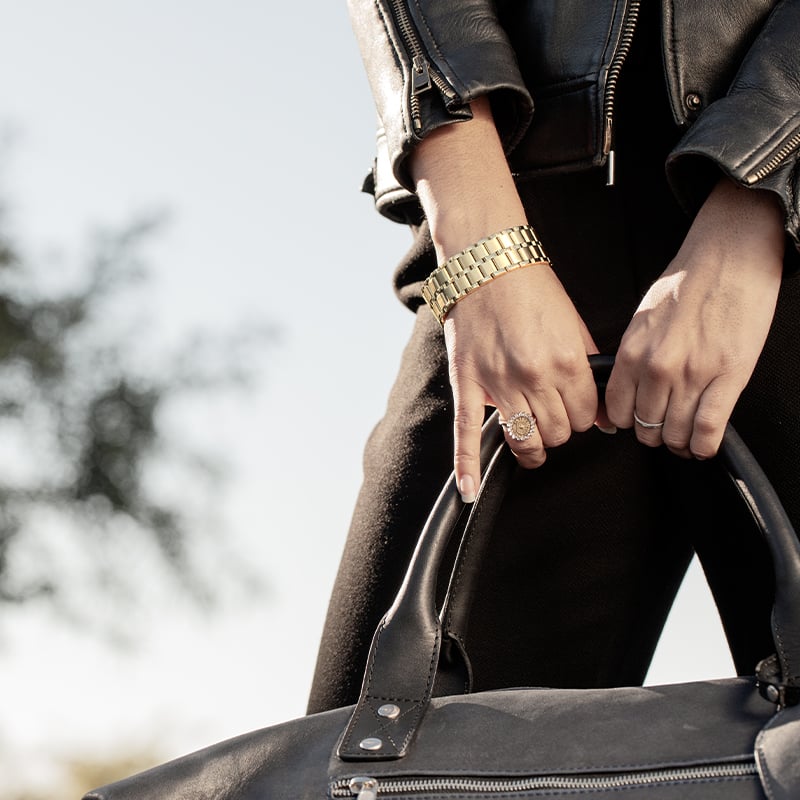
(417, 706)
(351, 728)
(385, 699)
(384, 728)
(428, 688)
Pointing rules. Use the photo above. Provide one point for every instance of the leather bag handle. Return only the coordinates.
(403, 659)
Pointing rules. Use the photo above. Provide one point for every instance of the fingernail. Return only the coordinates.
(466, 488)
(611, 429)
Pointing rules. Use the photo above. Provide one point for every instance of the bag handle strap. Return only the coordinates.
(403, 659)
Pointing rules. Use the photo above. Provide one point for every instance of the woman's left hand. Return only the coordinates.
(693, 343)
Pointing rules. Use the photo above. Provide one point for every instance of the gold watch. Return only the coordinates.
(494, 255)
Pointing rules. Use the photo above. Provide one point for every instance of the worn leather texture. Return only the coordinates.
(731, 69)
(498, 734)
(674, 741)
(510, 733)
(778, 752)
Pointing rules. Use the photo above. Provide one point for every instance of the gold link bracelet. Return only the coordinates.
(494, 255)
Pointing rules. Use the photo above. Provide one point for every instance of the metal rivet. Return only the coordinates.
(693, 101)
(773, 695)
(390, 711)
(371, 743)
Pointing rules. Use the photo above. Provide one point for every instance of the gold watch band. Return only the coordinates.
(464, 272)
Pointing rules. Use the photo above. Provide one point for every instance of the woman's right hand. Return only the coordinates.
(517, 342)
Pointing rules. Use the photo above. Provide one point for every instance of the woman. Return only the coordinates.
(502, 115)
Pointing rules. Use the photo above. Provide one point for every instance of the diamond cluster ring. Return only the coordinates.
(520, 426)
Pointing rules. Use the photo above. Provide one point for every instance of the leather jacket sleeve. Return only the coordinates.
(752, 134)
(426, 64)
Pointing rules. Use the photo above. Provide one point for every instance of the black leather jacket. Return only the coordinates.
(732, 70)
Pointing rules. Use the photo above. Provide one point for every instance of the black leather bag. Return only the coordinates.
(737, 738)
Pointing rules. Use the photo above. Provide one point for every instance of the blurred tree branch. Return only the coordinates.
(79, 423)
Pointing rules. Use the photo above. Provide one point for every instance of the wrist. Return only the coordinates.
(744, 217)
(456, 228)
(464, 183)
(483, 261)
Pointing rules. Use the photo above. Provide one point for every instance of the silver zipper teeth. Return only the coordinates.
(410, 786)
(420, 63)
(616, 67)
(792, 144)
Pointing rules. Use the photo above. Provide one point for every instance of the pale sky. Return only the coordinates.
(252, 125)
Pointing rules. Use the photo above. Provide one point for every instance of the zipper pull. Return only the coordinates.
(363, 788)
(608, 133)
(610, 168)
(421, 76)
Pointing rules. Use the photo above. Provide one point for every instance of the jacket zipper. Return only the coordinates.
(366, 788)
(792, 144)
(423, 76)
(626, 38)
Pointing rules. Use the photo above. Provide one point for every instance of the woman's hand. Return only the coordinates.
(517, 342)
(693, 343)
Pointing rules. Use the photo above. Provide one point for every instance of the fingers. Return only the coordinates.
(713, 411)
(601, 420)
(648, 408)
(543, 419)
(470, 404)
(525, 440)
(688, 416)
(517, 344)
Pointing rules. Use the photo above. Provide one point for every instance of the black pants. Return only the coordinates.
(578, 582)
(589, 549)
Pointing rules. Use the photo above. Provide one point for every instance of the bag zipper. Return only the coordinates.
(625, 41)
(423, 76)
(364, 787)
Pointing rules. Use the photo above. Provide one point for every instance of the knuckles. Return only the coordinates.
(556, 436)
(677, 443)
(530, 460)
(467, 421)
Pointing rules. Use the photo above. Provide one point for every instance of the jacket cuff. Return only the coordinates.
(696, 164)
(753, 134)
(468, 55)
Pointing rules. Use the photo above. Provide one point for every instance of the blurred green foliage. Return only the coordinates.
(81, 417)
